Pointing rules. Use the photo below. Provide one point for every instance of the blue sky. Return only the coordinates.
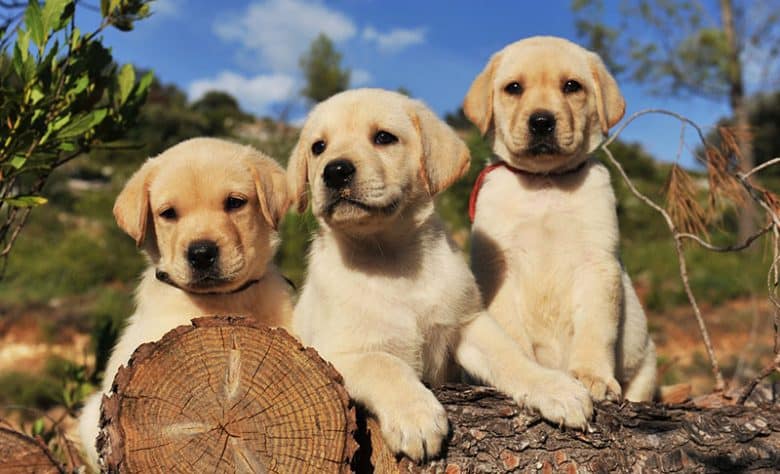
(433, 48)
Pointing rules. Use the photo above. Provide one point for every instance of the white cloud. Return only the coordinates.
(360, 77)
(279, 31)
(166, 7)
(255, 94)
(396, 39)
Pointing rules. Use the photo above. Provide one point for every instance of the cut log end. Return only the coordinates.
(20, 454)
(226, 395)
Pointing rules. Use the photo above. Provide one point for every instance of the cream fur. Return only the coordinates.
(195, 177)
(545, 244)
(388, 298)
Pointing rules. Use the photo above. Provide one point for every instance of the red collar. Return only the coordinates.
(503, 164)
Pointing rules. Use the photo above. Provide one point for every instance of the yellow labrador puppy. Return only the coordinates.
(388, 298)
(206, 213)
(545, 232)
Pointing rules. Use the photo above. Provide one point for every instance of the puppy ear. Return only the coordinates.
(610, 105)
(271, 187)
(444, 158)
(131, 209)
(297, 172)
(478, 104)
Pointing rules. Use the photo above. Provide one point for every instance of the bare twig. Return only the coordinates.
(716, 372)
(766, 372)
(760, 167)
(769, 202)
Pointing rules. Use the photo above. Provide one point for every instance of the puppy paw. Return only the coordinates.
(600, 387)
(415, 425)
(560, 399)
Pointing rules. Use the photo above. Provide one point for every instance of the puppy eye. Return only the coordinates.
(169, 214)
(384, 138)
(234, 202)
(318, 147)
(571, 87)
(513, 88)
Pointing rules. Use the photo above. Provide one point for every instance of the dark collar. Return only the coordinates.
(163, 277)
(502, 164)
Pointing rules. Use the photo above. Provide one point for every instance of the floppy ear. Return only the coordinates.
(478, 104)
(610, 104)
(444, 158)
(271, 187)
(131, 209)
(297, 172)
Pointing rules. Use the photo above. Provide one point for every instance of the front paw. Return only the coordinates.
(601, 387)
(414, 425)
(560, 399)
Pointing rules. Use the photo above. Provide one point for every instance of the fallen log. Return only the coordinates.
(226, 395)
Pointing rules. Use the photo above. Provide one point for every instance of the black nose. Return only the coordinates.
(202, 254)
(338, 173)
(541, 123)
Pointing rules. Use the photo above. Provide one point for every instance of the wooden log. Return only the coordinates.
(21, 454)
(490, 434)
(226, 395)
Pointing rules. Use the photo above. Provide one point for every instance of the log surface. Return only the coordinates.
(20, 454)
(490, 434)
(226, 395)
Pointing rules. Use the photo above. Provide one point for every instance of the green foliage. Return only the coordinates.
(62, 95)
(221, 111)
(322, 70)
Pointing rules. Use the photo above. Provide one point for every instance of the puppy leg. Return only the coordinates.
(488, 353)
(597, 304)
(412, 419)
(642, 386)
(88, 429)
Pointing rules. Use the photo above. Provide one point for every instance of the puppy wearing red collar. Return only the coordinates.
(545, 232)
(206, 213)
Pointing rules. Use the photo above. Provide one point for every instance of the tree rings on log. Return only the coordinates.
(20, 454)
(226, 395)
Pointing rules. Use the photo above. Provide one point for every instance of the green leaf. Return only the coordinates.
(36, 95)
(34, 21)
(59, 123)
(67, 146)
(144, 83)
(126, 81)
(81, 85)
(23, 42)
(18, 161)
(52, 12)
(37, 427)
(74, 38)
(104, 7)
(26, 201)
(83, 124)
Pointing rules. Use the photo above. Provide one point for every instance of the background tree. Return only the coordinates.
(322, 70)
(62, 95)
(699, 48)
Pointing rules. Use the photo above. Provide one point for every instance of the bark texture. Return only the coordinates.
(490, 434)
(226, 395)
(20, 454)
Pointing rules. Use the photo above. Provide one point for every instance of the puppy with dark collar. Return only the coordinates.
(206, 213)
(545, 232)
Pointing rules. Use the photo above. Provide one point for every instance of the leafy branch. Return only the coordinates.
(62, 95)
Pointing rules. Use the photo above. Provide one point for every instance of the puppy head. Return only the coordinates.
(548, 101)
(206, 212)
(371, 154)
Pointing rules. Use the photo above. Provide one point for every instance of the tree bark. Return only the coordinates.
(226, 395)
(490, 434)
(20, 454)
(747, 216)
